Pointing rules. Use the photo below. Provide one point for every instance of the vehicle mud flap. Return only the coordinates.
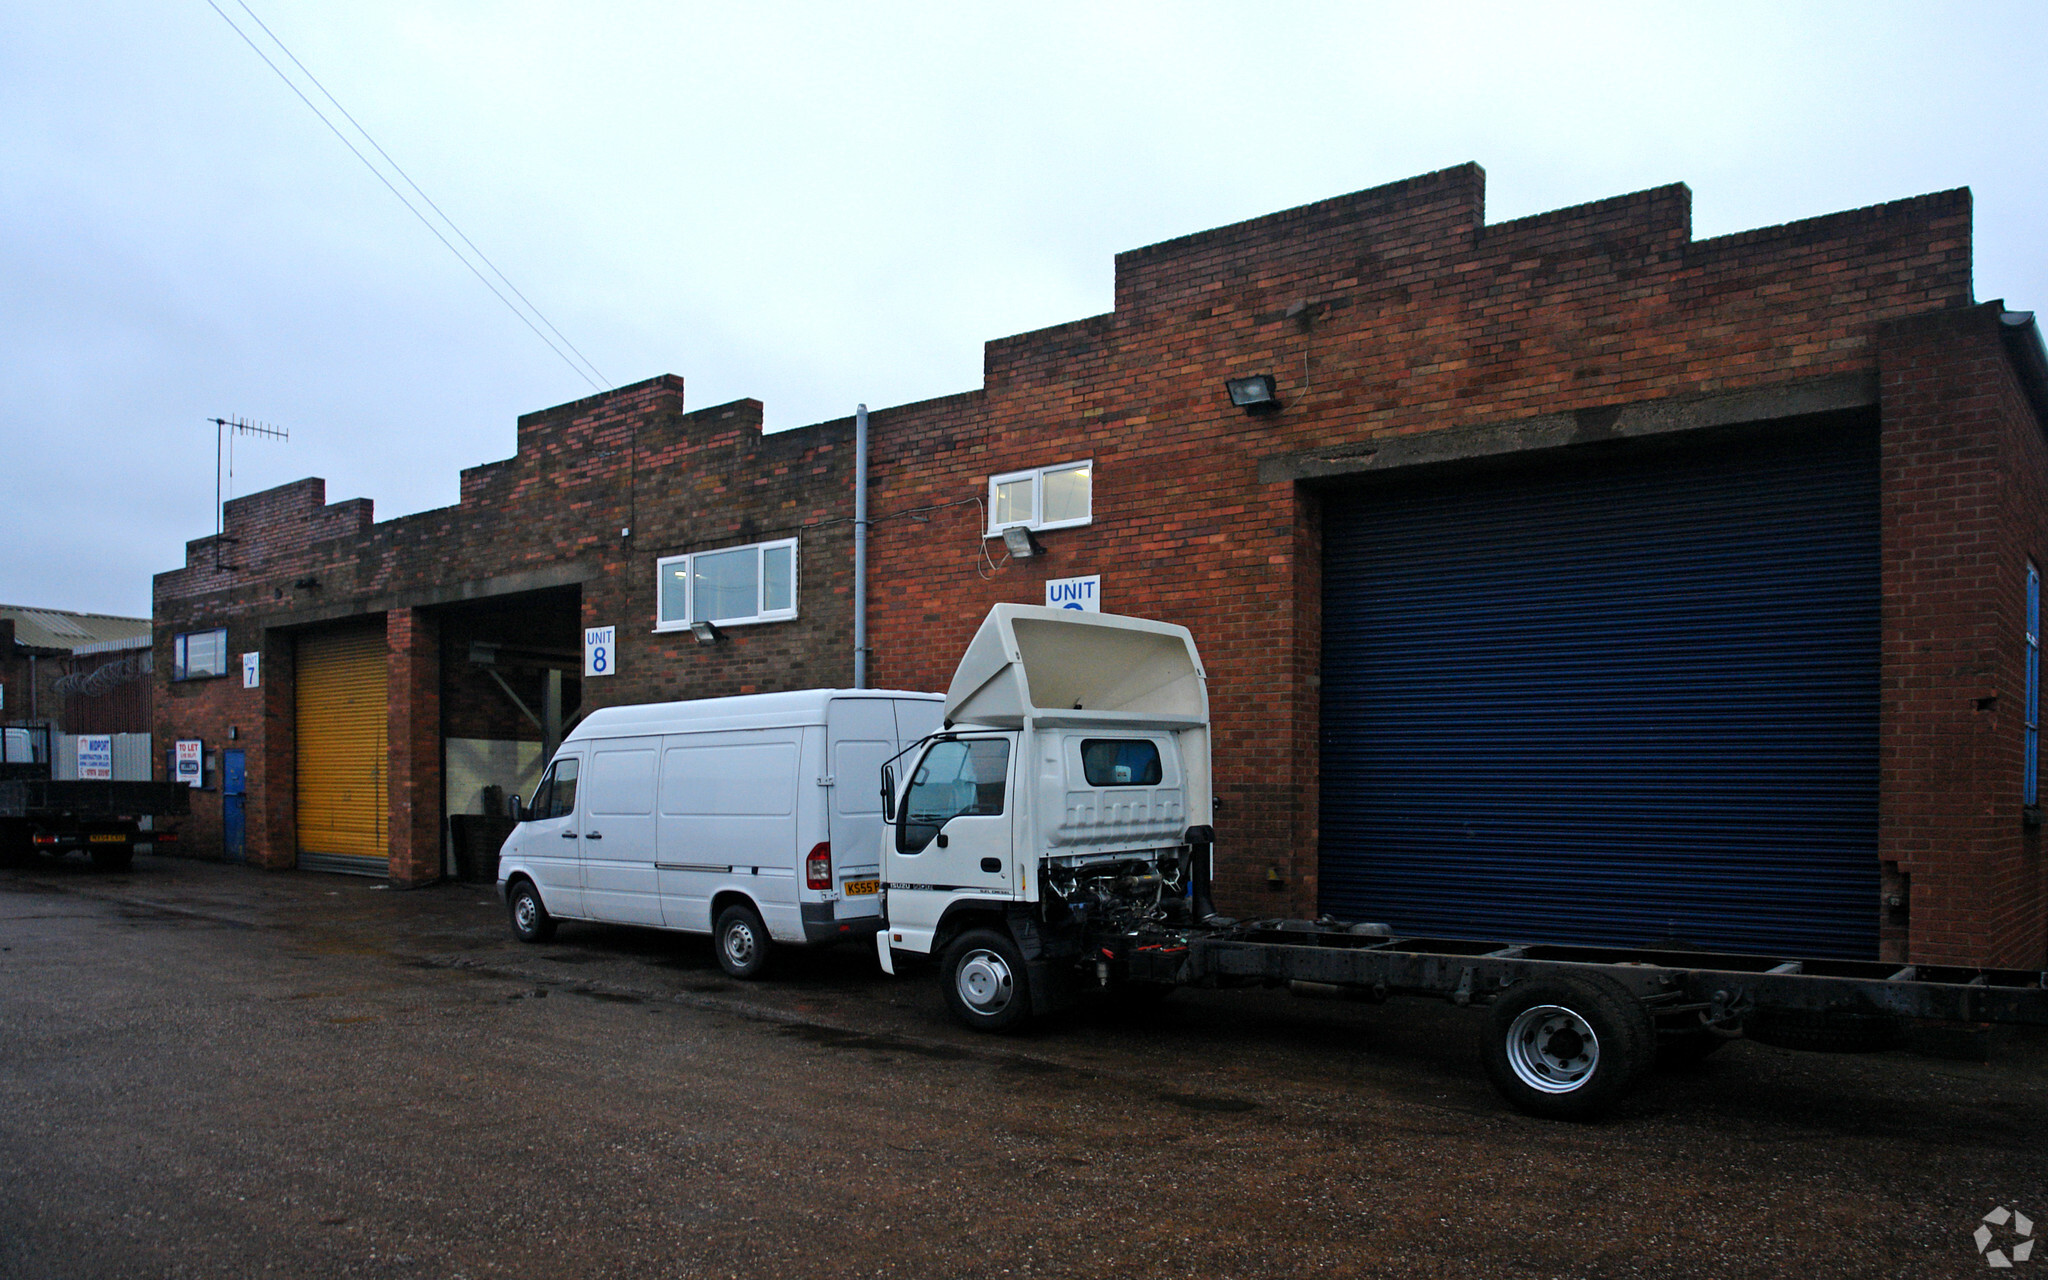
(1055, 983)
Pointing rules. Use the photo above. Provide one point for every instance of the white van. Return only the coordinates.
(757, 819)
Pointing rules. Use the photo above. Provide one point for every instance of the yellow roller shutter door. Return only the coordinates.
(343, 751)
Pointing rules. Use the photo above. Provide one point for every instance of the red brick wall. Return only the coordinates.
(1384, 315)
(208, 709)
(1965, 506)
(413, 687)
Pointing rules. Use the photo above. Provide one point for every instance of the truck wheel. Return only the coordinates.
(530, 919)
(114, 859)
(1567, 1048)
(983, 978)
(14, 843)
(741, 941)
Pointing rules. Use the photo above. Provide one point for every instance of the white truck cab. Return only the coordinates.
(1068, 789)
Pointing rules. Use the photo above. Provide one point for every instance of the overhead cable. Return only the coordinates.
(585, 370)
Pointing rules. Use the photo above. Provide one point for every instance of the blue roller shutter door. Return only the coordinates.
(1610, 704)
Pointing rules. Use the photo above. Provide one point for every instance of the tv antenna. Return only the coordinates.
(224, 432)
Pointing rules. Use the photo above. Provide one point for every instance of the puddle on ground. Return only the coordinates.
(833, 1038)
(610, 997)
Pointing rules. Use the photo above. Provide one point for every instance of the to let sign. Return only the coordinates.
(185, 759)
(96, 757)
(600, 651)
(1084, 594)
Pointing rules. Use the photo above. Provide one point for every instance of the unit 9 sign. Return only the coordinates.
(600, 651)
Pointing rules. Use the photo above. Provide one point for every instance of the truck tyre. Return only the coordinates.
(530, 919)
(984, 981)
(1567, 1048)
(741, 941)
(114, 859)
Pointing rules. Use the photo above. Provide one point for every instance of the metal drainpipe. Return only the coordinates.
(860, 547)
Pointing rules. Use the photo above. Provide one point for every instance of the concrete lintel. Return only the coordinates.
(1641, 419)
(509, 584)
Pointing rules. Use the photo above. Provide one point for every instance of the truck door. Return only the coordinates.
(953, 837)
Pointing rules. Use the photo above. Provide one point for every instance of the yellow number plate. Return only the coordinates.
(108, 838)
(862, 888)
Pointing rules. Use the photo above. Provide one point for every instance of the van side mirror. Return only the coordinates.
(888, 793)
(514, 809)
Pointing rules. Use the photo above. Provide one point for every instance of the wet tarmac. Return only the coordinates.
(208, 1070)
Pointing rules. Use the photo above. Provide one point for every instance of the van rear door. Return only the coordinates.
(861, 736)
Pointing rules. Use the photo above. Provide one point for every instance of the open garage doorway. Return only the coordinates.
(511, 686)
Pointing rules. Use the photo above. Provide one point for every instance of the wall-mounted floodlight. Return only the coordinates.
(1017, 540)
(706, 633)
(1254, 394)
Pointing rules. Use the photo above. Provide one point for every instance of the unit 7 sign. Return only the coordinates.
(600, 651)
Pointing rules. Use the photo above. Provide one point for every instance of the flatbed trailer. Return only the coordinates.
(39, 814)
(1058, 835)
(1573, 1028)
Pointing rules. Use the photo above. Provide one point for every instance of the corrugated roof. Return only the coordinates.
(61, 629)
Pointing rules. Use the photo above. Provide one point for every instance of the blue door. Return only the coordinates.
(1612, 703)
(233, 794)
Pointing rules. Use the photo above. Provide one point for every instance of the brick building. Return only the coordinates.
(401, 668)
(1576, 579)
(74, 673)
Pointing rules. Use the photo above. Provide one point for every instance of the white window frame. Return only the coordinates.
(1036, 475)
(761, 614)
(181, 667)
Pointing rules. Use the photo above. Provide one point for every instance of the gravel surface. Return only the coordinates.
(213, 1071)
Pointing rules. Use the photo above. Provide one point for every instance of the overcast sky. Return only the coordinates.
(814, 205)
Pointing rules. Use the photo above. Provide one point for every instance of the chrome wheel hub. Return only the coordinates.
(1552, 1049)
(985, 982)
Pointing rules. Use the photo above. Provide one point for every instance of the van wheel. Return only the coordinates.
(741, 941)
(530, 920)
(1567, 1048)
(983, 978)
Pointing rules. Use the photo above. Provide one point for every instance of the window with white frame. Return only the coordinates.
(1056, 497)
(755, 583)
(198, 654)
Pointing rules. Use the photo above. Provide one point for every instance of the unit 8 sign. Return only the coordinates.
(600, 652)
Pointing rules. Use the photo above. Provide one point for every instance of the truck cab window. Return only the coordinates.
(955, 779)
(555, 797)
(1120, 762)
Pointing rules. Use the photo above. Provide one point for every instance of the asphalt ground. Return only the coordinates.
(209, 1071)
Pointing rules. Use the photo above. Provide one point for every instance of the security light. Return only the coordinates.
(1019, 542)
(1254, 393)
(706, 633)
